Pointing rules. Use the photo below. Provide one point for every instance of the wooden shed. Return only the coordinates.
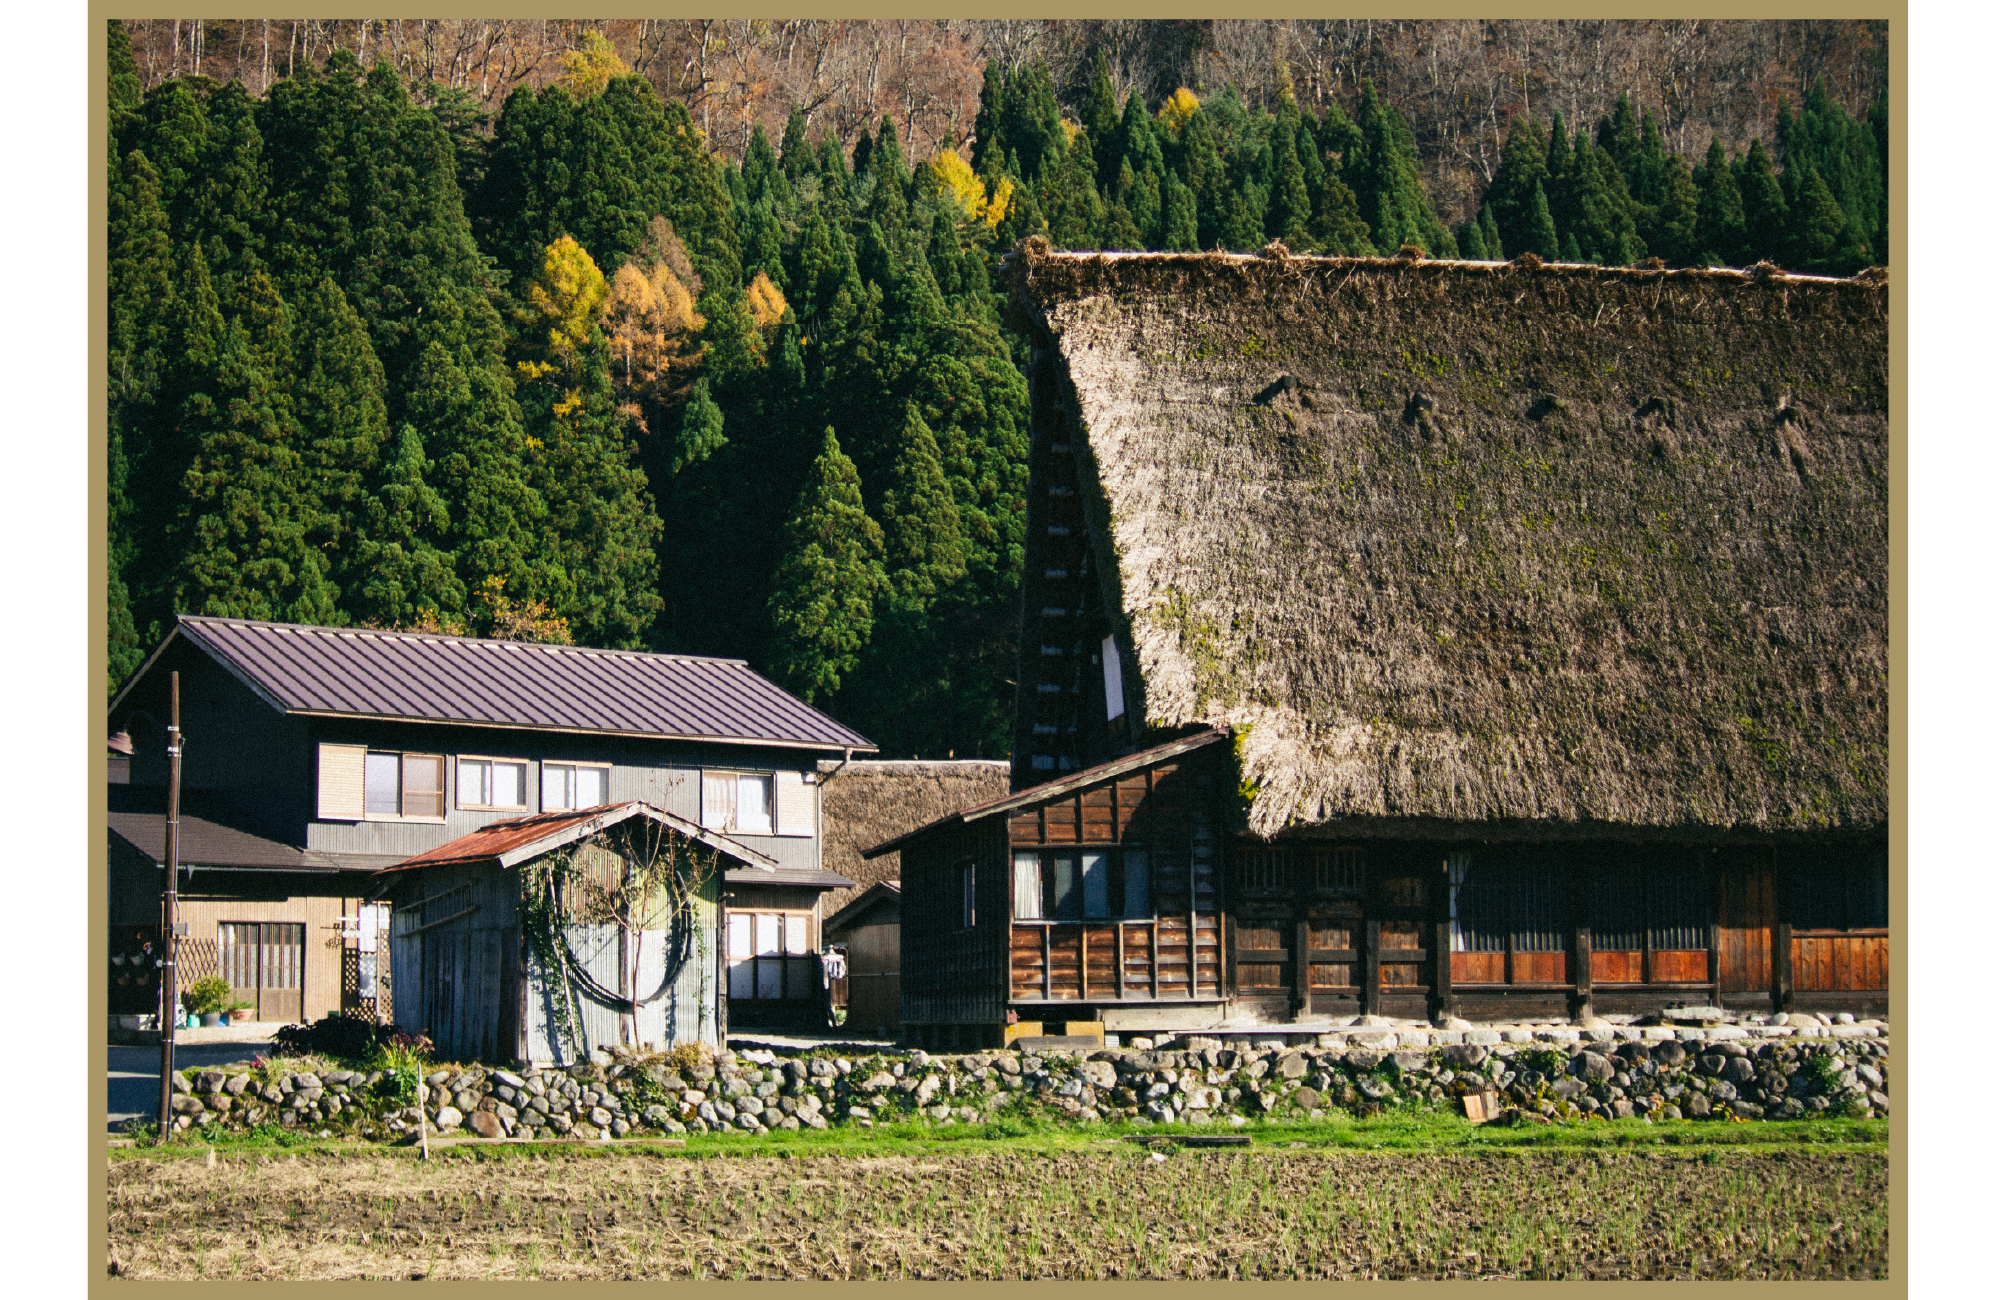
(540, 938)
(870, 930)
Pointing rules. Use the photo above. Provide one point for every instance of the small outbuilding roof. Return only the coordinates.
(347, 672)
(518, 839)
(882, 893)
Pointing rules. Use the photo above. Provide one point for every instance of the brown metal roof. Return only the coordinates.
(806, 877)
(214, 835)
(1034, 796)
(517, 839)
(422, 677)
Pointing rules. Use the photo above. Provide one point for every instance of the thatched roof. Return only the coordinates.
(865, 803)
(1491, 543)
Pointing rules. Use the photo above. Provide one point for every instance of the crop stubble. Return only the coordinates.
(1110, 1215)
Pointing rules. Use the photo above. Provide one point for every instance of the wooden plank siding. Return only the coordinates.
(1826, 963)
(951, 975)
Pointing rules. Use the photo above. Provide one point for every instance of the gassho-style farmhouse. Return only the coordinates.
(1398, 637)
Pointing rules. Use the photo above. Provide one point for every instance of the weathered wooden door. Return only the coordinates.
(1263, 939)
(264, 962)
(1749, 909)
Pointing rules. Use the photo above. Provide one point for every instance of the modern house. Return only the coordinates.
(316, 757)
(1544, 607)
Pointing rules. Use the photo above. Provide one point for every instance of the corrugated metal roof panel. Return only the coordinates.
(518, 839)
(429, 678)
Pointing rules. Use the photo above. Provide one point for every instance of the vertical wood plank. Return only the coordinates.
(1302, 994)
(1121, 959)
(1371, 967)
(1579, 908)
(1048, 966)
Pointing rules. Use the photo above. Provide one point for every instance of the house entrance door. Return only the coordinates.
(1748, 897)
(1297, 920)
(264, 962)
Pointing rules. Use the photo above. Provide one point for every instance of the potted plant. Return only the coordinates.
(239, 1012)
(208, 998)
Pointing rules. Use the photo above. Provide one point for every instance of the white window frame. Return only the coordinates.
(445, 769)
(549, 766)
(726, 818)
(458, 769)
(768, 949)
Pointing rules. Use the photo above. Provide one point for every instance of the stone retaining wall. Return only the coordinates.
(1707, 1073)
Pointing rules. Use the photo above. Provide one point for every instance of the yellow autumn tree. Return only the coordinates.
(1177, 109)
(951, 175)
(767, 305)
(564, 300)
(649, 317)
(588, 70)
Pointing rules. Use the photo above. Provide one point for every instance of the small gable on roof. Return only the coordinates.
(516, 840)
(1481, 542)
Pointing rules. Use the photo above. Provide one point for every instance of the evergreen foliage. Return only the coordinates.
(377, 357)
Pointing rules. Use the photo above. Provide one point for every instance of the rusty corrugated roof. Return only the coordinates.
(518, 839)
(423, 677)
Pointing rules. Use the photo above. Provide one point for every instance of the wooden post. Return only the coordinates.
(1781, 936)
(1048, 966)
(1083, 961)
(170, 930)
(1302, 992)
(1579, 909)
(1120, 957)
(1717, 896)
(1371, 967)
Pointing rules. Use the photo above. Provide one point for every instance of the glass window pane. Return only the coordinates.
(509, 781)
(590, 791)
(767, 935)
(1478, 904)
(769, 973)
(1027, 887)
(718, 799)
(1096, 884)
(381, 777)
(741, 975)
(423, 785)
(475, 781)
(795, 934)
(1068, 889)
(739, 935)
(753, 805)
(1138, 884)
(556, 781)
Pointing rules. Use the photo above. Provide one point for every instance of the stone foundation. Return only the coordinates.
(1712, 1072)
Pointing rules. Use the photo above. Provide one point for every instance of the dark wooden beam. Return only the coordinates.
(1371, 967)
(1579, 911)
(1302, 993)
(1781, 935)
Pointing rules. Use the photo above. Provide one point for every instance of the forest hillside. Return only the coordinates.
(686, 336)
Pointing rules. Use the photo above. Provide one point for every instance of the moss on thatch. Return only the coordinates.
(1493, 542)
(867, 803)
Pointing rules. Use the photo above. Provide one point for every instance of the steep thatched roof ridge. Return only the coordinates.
(864, 803)
(1488, 542)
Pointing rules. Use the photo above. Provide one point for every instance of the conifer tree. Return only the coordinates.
(1763, 205)
(1818, 237)
(1512, 193)
(887, 205)
(1179, 227)
(701, 434)
(1676, 216)
(1290, 210)
(1718, 226)
(342, 421)
(823, 595)
(1489, 232)
(1383, 175)
(1069, 198)
(795, 153)
(1100, 123)
(920, 525)
(1541, 236)
(401, 572)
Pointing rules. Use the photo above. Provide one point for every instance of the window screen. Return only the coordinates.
(1138, 884)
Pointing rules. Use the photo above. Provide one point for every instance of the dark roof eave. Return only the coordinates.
(788, 878)
(828, 747)
(880, 891)
(1054, 789)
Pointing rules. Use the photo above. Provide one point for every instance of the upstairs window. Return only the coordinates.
(493, 784)
(738, 802)
(1083, 885)
(397, 786)
(574, 785)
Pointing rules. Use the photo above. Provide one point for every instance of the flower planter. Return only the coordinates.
(241, 1016)
(210, 1019)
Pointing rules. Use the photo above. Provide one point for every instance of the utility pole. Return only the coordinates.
(170, 993)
